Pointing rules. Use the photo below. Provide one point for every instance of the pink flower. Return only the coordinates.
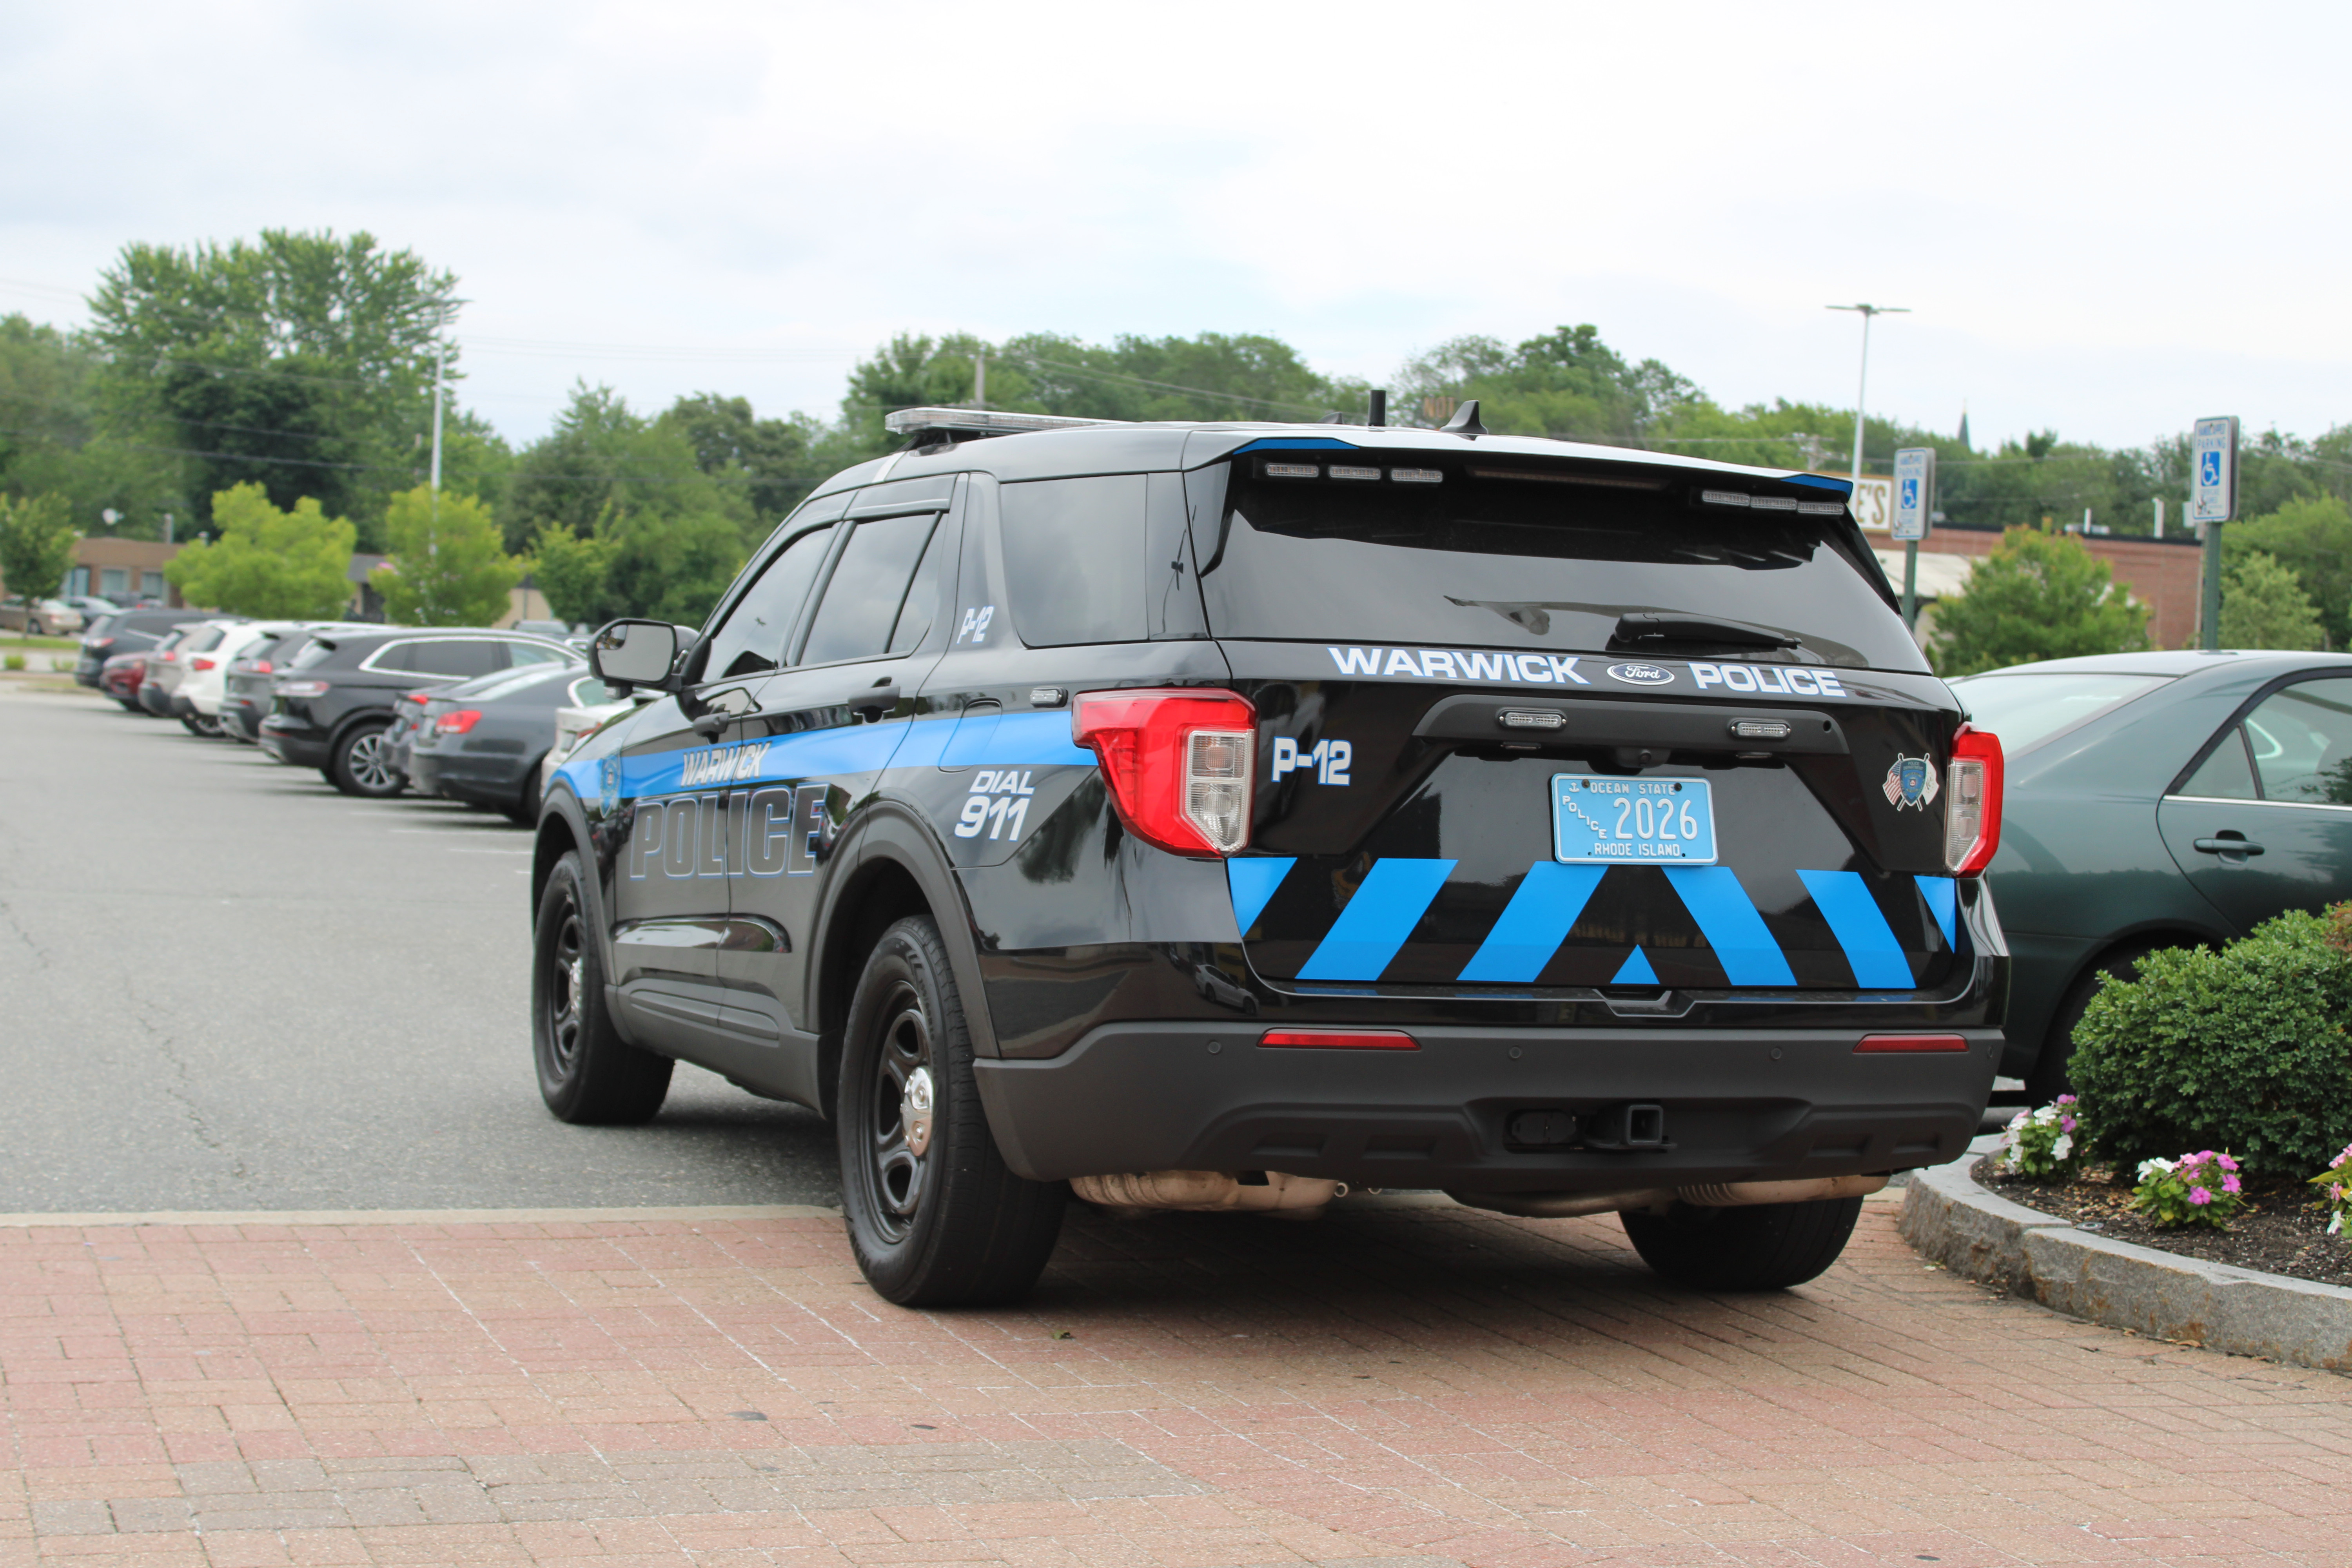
(2229, 1184)
(2199, 1196)
(2227, 1164)
(2066, 1124)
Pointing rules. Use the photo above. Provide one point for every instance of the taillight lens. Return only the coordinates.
(99, 645)
(1972, 788)
(1178, 761)
(459, 721)
(301, 689)
(1873, 1045)
(200, 664)
(1339, 1039)
(261, 666)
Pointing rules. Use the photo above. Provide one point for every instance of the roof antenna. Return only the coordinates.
(1465, 421)
(1380, 410)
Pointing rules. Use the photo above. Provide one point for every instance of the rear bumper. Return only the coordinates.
(303, 748)
(1744, 1105)
(485, 781)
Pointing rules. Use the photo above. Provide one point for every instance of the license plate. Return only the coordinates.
(1616, 822)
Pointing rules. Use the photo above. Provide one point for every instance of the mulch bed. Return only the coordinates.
(2279, 1232)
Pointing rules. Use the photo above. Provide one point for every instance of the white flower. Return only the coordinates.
(2046, 1115)
(2017, 1121)
(2151, 1167)
(2336, 1225)
(2064, 1147)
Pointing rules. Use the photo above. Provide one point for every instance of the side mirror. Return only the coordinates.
(634, 653)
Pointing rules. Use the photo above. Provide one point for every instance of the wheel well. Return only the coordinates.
(2126, 947)
(554, 841)
(881, 894)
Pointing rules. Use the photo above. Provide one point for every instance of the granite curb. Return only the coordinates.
(1953, 1221)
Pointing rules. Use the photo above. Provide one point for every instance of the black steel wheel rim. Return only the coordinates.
(898, 1166)
(567, 965)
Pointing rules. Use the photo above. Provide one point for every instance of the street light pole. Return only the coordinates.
(1862, 393)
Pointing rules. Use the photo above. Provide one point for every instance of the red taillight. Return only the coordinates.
(301, 689)
(261, 666)
(1972, 788)
(166, 658)
(419, 698)
(1178, 761)
(458, 722)
(1342, 1039)
(200, 664)
(99, 643)
(1876, 1043)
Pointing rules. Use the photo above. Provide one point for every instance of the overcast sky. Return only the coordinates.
(2107, 219)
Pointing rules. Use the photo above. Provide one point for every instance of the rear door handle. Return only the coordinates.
(872, 705)
(2228, 847)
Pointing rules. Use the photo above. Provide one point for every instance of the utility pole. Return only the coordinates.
(980, 380)
(440, 375)
(1862, 393)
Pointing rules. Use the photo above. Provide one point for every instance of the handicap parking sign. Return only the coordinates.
(2213, 496)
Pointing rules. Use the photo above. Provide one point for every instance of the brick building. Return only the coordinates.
(2165, 575)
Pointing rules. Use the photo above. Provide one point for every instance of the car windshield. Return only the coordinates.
(2024, 708)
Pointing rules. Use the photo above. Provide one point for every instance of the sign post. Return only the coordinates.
(2212, 502)
(1915, 491)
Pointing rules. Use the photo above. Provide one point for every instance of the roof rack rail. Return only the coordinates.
(966, 423)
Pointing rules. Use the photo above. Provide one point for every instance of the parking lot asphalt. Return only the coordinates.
(226, 986)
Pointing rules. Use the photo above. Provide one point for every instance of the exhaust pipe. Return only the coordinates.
(1137, 1193)
(1707, 1194)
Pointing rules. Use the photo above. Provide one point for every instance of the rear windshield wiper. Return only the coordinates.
(1641, 627)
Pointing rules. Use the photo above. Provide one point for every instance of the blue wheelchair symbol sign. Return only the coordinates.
(2209, 468)
(1910, 493)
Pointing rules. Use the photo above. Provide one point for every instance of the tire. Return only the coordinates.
(2049, 1079)
(363, 764)
(1763, 1246)
(523, 810)
(935, 1220)
(588, 1074)
(197, 724)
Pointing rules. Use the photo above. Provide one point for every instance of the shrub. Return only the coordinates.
(2042, 1145)
(2195, 1189)
(15, 661)
(2243, 1049)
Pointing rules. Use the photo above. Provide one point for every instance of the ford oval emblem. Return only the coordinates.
(1641, 675)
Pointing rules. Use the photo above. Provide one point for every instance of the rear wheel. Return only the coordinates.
(935, 1216)
(587, 1073)
(524, 808)
(1759, 1246)
(363, 764)
(199, 725)
(2050, 1078)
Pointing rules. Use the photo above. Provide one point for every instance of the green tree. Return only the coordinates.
(50, 439)
(1567, 383)
(37, 544)
(448, 568)
(2037, 596)
(575, 573)
(2263, 605)
(604, 457)
(2312, 536)
(774, 462)
(299, 362)
(294, 564)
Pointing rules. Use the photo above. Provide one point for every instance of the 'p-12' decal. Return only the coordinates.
(1330, 759)
(975, 625)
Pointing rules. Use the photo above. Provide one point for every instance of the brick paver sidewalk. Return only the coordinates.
(1393, 1385)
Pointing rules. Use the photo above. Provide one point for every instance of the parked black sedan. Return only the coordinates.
(126, 631)
(331, 707)
(481, 742)
(2156, 800)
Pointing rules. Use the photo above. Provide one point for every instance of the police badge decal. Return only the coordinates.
(1911, 781)
(611, 782)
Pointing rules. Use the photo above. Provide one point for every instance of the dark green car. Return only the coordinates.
(2156, 800)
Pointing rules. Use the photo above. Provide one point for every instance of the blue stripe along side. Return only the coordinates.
(1251, 880)
(1861, 928)
(1819, 482)
(1534, 924)
(1943, 896)
(1727, 917)
(1393, 896)
(1013, 739)
(1297, 444)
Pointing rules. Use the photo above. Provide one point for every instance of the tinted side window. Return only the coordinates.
(523, 653)
(1074, 555)
(922, 605)
(460, 657)
(2301, 738)
(753, 639)
(862, 598)
(2224, 774)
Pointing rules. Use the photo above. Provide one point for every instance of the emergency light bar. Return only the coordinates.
(982, 421)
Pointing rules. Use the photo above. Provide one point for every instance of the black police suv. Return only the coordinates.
(1219, 816)
(331, 706)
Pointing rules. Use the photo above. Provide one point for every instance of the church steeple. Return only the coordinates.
(1964, 426)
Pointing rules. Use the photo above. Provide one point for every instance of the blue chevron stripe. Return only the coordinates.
(1636, 970)
(1534, 924)
(1861, 929)
(1386, 908)
(1727, 917)
(1943, 896)
(1252, 881)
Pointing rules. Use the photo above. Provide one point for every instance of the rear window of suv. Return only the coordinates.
(1512, 552)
